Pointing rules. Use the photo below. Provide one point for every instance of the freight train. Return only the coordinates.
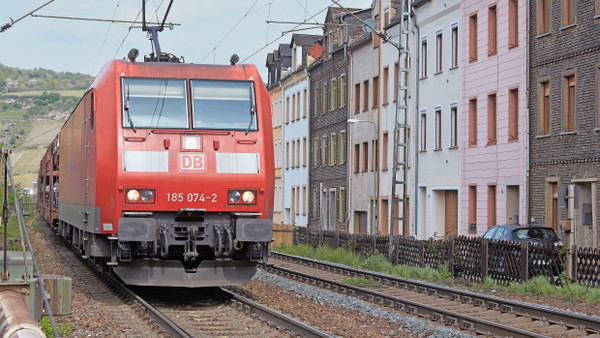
(164, 173)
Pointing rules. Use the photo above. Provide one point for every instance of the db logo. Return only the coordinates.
(191, 161)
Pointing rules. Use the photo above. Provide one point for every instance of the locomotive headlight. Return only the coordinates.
(248, 197)
(147, 195)
(190, 142)
(133, 195)
(234, 196)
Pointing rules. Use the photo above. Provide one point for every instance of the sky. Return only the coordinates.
(210, 32)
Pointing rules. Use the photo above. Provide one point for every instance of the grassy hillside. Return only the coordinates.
(19, 80)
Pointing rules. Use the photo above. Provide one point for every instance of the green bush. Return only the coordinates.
(63, 330)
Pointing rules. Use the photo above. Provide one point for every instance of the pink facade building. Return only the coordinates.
(494, 115)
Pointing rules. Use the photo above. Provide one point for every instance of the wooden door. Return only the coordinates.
(451, 213)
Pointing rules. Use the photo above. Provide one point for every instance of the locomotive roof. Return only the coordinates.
(177, 70)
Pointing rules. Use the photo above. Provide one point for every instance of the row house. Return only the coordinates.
(277, 62)
(438, 92)
(564, 125)
(363, 103)
(494, 119)
(295, 132)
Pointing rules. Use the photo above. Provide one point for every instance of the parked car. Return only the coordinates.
(519, 233)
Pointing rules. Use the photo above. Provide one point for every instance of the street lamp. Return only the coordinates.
(372, 218)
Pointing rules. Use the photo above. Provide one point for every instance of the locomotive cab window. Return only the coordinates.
(154, 103)
(229, 105)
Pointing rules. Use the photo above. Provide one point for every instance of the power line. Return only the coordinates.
(229, 32)
(105, 36)
(12, 22)
(283, 34)
(97, 20)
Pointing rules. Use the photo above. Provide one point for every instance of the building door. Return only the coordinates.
(384, 217)
(451, 213)
(331, 210)
(362, 222)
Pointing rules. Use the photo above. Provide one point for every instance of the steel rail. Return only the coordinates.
(490, 302)
(447, 317)
(165, 323)
(275, 317)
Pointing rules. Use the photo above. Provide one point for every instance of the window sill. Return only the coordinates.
(437, 149)
(494, 53)
(597, 17)
(597, 129)
(384, 169)
(491, 143)
(512, 46)
(423, 77)
(513, 140)
(569, 26)
(472, 60)
(423, 150)
(453, 67)
(543, 136)
(542, 35)
(438, 73)
(568, 133)
(453, 147)
(385, 104)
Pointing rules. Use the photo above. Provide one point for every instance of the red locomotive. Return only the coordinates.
(166, 173)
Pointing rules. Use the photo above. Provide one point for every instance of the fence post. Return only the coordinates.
(307, 236)
(451, 255)
(320, 237)
(374, 246)
(573, 260)
(422, 252)
(396, 249)
(524, 261)
(294, 237)
(337, 239)
(485, 253)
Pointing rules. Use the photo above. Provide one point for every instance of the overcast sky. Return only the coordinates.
(82, 46)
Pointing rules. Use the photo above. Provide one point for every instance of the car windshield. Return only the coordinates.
(154, 103)
(536, 233)
(226, 105)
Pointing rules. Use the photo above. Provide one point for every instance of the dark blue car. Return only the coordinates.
(529, 233)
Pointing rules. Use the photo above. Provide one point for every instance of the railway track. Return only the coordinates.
(465, 310)
(184, 312)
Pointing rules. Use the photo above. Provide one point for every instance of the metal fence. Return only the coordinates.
(471, 258)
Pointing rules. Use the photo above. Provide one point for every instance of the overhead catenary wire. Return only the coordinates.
(10, 24)
(170, 24)
(230, 30)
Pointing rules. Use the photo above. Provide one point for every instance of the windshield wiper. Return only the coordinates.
(126, 106)
(252, 112)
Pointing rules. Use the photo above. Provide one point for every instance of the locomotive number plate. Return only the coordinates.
(191, 197)
(190, 162)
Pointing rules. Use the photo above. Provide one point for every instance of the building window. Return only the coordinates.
(357, 98)
(570, 104)
(356, 158)
(438, 52)
(513, 114)
(386, 16)
(396, 80)
(287, 109)
(473, 37)
(492, 30)
(332, 149)
(304, 150)
(304, 106)
(297, 209)
(293, 154)
(438, 128)
(376, 38)
(513, 23)
(366, 95)
(374, 155)
(304, 202)
(293, 115)
(544, 16)
(328, 89)
(569, 11)
(491, 118)
(455, 46)
(453, 126)
(491, 206)
(314, 152)
(384, 151)
(423, 138)
(473, 122)
(324, 98)
(386, 78)
(333, 93)
(365, 166)
(344, 91)
(472, 206)
(424, 58)
(375, 91)
(324, 150)
(287, 155)
(343, 151)
(544, 109)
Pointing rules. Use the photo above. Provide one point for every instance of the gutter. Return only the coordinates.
(416, 133)
(309, 140)
(527, 116)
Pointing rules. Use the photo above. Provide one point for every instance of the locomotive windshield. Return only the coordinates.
(227, 105)
(154, 103)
